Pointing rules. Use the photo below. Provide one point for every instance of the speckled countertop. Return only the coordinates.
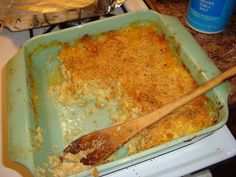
(221, 47)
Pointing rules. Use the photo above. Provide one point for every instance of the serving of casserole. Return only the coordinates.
(90, 77)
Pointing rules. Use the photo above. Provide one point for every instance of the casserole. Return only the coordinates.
(29, 106)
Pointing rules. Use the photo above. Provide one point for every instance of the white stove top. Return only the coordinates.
(215, 148)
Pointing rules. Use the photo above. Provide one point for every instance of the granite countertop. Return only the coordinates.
(220, 47)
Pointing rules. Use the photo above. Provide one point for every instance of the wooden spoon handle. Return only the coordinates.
(133, 126)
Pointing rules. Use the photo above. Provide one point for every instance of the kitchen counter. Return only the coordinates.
(220, 47)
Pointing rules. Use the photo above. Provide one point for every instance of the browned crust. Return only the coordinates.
(150, 76)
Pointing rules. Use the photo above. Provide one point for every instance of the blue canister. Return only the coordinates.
(209, 16)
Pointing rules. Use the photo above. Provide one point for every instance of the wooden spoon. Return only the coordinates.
(102, 143)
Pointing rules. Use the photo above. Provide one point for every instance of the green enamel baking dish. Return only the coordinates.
(29, 106)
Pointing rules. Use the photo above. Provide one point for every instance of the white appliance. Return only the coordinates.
(215, 148)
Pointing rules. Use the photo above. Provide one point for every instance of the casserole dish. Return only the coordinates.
(35, 122)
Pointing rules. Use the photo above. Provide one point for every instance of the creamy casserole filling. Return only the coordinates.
(135, 69)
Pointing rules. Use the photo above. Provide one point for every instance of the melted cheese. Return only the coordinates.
(136, 67)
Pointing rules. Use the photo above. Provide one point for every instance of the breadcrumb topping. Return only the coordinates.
(135, 67)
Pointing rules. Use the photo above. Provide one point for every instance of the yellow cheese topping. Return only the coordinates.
(136, 67)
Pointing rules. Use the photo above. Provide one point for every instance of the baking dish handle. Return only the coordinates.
(190, 51)
(17, 115)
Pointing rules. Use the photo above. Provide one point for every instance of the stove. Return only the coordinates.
(215, 148)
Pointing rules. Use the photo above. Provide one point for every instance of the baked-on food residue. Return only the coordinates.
(135, 68)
